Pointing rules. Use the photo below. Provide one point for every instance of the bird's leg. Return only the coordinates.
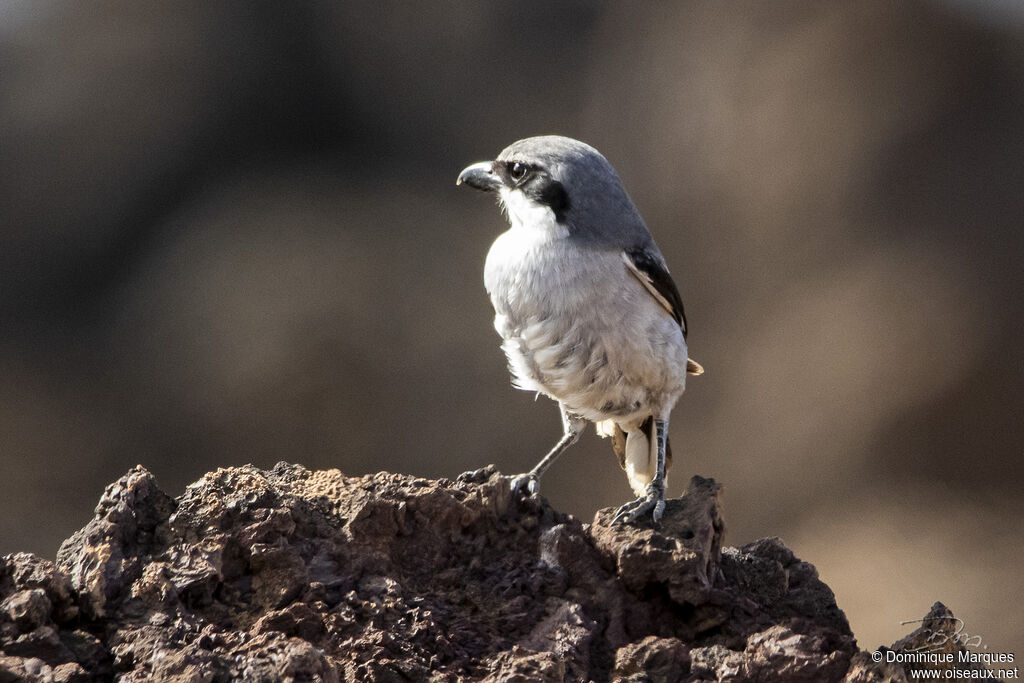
(572, 429)
(653, 500)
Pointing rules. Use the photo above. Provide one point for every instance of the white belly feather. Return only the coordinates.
(576, 325)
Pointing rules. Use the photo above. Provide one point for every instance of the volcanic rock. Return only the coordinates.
(290, 574)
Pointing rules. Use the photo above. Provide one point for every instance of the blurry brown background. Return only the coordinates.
(230, 233)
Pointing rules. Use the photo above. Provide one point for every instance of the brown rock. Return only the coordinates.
(658, 660)
(289, 574)
(864, 670)
(938, 635)
(28, 608)
(108, 554)
(71, 672)
(524, 666)
(24, 571)
(681, 554)
(781, 654)
(297, 620)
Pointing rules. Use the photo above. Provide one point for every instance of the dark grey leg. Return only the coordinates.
(653, 500)
(572, 429)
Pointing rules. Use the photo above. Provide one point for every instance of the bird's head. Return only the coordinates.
(556, 179)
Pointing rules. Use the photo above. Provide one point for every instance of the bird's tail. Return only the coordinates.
(637, 452)
(641, 459)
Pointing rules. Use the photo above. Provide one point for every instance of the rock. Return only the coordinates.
(22, 571)
(781, 654)
(105, 557)
(864, 670)
(681, 554)
(28, 608)
(653, 659)
(715, 663)
(289, 574)
(938, 634)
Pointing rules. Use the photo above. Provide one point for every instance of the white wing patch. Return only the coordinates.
(647, 283)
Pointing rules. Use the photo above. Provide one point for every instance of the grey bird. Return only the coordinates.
(586, 307)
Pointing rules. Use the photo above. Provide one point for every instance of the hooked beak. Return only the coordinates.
(480, 176)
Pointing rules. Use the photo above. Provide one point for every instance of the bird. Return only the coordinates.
(585, 306)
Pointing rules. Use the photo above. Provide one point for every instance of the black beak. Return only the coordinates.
(480, 176)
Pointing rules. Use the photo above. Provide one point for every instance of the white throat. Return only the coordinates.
(524, 214)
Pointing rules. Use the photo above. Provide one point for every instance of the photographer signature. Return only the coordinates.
(937, 638)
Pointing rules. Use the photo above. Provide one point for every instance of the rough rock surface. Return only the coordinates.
(290, 574)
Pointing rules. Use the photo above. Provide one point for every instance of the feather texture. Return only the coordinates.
(649, 268)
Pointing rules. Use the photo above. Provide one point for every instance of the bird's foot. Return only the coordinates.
(652, 501)
(476, 476)
(528, 483)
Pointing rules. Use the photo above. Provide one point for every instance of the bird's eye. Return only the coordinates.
(517, 171)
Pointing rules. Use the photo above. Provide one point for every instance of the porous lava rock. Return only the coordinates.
(298, 575)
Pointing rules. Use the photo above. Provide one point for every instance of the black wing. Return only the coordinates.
(650, 270)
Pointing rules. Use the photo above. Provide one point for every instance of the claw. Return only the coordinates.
(529, 480)
(652, 501)
(473, 476)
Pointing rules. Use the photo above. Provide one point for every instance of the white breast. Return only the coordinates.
(532, 226)
(601, 344)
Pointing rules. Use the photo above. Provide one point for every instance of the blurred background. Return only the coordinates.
(230, 233)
